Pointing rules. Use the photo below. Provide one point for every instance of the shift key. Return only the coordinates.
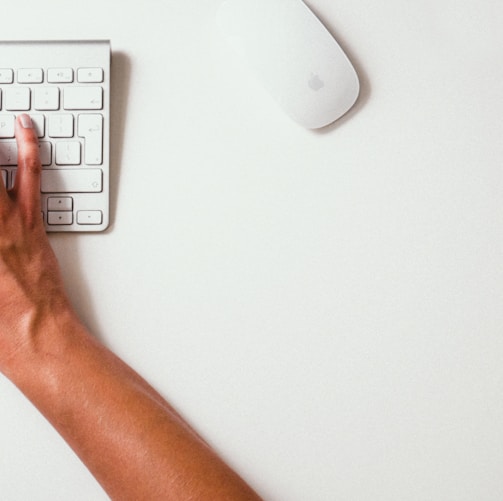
(72, 181)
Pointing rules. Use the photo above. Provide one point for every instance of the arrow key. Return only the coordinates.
(89, 217)
(54, 218)
(60, 204)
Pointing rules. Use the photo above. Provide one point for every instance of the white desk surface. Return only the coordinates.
(325, 308)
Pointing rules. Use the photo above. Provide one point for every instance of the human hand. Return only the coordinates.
(31, 288)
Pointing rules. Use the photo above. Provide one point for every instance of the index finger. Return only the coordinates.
(27, 185)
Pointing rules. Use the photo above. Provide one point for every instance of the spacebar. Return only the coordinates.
(71, 180)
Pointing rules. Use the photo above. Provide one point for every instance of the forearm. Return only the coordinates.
(128, 436)
(125, 432)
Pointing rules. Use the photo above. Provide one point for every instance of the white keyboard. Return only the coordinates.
(65, 88)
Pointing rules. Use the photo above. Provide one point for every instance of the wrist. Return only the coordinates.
(43, 337)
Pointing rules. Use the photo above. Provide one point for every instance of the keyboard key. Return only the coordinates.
(60, 203)
(71, 181)
(68, 153)
(46, 98)
(83, 98)
(90, 75)
(90, 127)
(30, 75)
(60, 125)
(59, 217)
(38, 123)
(8, 153)
(6, 76)
(17, 99)
(45, 148)
(89, 217)
(7, 125)
(60, 75)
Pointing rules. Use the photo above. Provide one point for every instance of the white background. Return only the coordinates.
(324, 307)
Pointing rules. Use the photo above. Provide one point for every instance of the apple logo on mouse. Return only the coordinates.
(315, 82)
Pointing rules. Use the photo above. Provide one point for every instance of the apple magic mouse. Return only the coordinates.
(294, 55)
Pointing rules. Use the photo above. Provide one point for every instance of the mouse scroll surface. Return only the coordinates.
(296, 58)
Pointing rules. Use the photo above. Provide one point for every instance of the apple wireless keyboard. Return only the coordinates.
(65, 88)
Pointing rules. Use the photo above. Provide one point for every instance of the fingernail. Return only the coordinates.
(26, 121)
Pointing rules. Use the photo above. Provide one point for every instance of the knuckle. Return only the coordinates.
(30, 160)
(32, 164)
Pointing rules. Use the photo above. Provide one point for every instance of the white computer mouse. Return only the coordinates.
(294, 55)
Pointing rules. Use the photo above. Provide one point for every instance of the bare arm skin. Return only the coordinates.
(129, 437)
